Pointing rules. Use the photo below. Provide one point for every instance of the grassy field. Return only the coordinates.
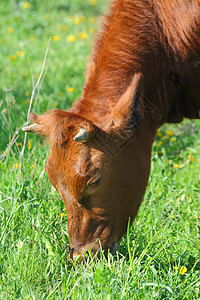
(160, 256)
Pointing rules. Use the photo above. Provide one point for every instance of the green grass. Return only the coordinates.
(165, 237)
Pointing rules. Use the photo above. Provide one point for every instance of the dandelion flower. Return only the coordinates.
(20, 53)
(26, 5)
(56, 38)
(32, 166)
(17, 166)
(173, 139)
(176, 166)
(70, 89)
(83, 35)
(159, 144)
(62, 215)
(71, 38)
(158, 133)
(10, 30)
(77, 21)
(183, 270)
(93, 2)
(13, 57)
(19, 144)
(169, 132)
(29, 145)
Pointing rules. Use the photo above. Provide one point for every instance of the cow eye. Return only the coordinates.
(94, 182)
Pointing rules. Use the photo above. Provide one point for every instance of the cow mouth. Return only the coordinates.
(95, 253)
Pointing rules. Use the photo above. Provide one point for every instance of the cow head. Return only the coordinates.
(101, 173)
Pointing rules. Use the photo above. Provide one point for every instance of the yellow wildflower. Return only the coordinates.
(158, 133)
(56, 38)
(183, 270)
(91, 30)
(175, 268)
(92, 20)
(173, 139)
(176, 166)
(20, 53)
(27, 94)
(32, 166)
(159, 144)
(29, 144)
(19, 144)
(17, 166)
(171, 216)
(70, 89)
(83, 35)
(71, 38)
(12, 57)
(62, 215)
(93, 2)
(169, 132)
(26, 5)
(77, 21)
(10, 30)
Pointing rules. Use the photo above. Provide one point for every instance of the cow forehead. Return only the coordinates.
(88, 160)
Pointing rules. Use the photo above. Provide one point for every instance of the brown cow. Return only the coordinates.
(144, 71)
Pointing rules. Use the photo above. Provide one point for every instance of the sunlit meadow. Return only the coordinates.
(160, 256)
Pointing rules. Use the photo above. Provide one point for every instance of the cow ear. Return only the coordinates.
(35, 127)
(126, 111)
(46, 124)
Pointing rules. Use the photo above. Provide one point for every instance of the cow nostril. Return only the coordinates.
(114, 248)
(71, 249)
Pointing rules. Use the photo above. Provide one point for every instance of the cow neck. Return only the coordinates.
(116, 57)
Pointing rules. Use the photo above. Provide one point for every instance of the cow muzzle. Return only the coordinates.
(82, 255)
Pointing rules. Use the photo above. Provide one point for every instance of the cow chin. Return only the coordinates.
(84, 243)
